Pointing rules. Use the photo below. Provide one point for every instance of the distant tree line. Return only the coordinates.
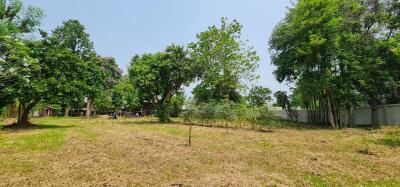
(219, 62)
(59, 68)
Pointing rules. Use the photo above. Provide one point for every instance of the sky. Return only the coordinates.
(123, 28)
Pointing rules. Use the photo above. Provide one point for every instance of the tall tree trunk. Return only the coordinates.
(89, 107)
(66, 111)
(374, 113)
(163, 113)
(92, 108)
(330, 112)
(24, 110)
(20, 107)
(349, 121)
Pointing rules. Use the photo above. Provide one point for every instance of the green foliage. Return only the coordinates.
(82, 74)
(159, 76)
(259, 96)
(206, 112)
(391, 139)
(303, 49)
(226, 62)
(282, 99)
(64, 70)
(125, 95)
(228, 113)
(71, 35)
(15, 20)
(17, 68)
(190, 110)
(336, 52)
(177, 102)
(225, 110)
(102, 75)
(206, 93)
(242, 111)
(103, 101)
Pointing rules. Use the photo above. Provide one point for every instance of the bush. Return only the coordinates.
(229, 113)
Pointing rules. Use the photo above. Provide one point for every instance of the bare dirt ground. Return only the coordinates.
(74, 152)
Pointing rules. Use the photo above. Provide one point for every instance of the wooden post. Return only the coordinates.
(190, 130)
(226, 125)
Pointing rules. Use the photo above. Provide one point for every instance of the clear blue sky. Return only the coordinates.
(122, 28)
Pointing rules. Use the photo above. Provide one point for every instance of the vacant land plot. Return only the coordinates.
(74, 152)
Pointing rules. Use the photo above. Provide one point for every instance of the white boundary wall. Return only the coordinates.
(388, 115)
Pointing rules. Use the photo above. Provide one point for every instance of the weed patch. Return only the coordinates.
(391, 139)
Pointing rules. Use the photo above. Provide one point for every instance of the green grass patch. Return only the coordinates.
(313, 179)
(391, 139)
(383, 183)
(265, 144)
(44, 140)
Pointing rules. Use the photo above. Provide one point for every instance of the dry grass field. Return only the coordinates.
(75, 152)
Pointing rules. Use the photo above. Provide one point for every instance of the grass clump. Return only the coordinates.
(391, 139)
(315, 180)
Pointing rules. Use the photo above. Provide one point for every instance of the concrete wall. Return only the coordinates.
(303, 115)
(388, 115)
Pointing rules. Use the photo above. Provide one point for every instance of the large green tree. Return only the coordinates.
(160, 76)
(378, 41)
(18, 70)
(84, 74)
(303, 49)
(226, 61)
(338, 52)
(368, 43)
(102, 74)
(15, 62)
(71, 42)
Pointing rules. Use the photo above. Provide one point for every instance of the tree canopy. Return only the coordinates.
(337, 52)
(259, 96)
(226, 62)
(160, 76)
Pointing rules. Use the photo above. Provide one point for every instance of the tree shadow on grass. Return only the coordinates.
(140, 123)
(16, 127)
(274, 123)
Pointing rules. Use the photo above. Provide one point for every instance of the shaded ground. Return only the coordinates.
(74, 152)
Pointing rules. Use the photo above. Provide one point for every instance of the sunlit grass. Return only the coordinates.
(135, 149)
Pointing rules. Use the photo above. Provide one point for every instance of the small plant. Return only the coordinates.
(265, 144)
(190, 110)
(366, 149)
